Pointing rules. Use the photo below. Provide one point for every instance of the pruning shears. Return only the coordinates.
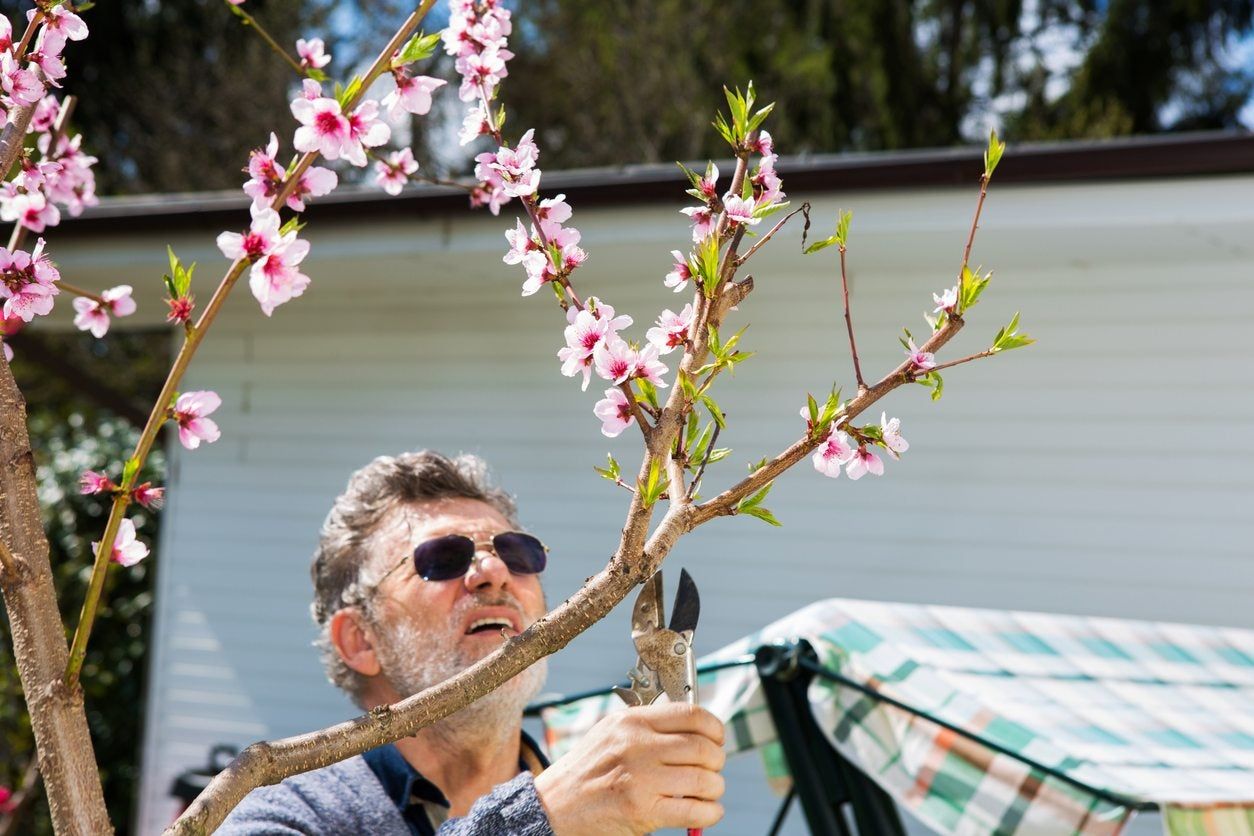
(666, 663)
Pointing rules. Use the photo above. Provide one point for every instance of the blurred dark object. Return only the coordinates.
(191, 783)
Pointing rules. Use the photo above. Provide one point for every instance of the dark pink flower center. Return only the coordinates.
(254, 246)
(327, 122)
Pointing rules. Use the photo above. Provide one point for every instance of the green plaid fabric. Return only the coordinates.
(1149, 712)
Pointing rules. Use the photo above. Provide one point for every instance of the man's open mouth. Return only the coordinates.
(489, 625)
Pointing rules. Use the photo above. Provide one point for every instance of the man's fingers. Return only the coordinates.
(687, 812)
(690, 782)
(688, 749)
(679, 717)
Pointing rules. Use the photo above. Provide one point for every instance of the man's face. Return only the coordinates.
(426, 629)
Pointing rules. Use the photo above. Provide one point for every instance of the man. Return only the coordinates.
(421, 570)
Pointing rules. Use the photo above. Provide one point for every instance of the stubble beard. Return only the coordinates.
(414, 659)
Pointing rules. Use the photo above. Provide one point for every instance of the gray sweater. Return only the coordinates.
(346, 798)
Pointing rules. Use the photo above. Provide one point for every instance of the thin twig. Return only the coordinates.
(986, 353)
(975, 222)
(249, 20)
(709, 448)
(853, 345)
(78, 291)
(636, 411)
(27, 35)
(757, 245)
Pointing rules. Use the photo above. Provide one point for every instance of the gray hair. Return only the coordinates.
(342, 569)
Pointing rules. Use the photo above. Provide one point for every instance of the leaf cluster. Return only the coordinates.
(741, 124)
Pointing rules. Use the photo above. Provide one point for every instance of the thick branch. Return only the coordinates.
(62, 739)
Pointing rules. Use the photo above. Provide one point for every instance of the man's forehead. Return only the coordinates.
(418, 521)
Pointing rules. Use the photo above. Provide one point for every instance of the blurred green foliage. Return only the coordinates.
(71, 433)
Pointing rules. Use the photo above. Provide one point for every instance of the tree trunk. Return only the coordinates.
(66, 759)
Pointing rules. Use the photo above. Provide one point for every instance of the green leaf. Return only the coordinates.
(612, 472)
(718, 454)
(174, 260)
(129, 470)
(755, 499)
(754, 467)
(705, 265)
(813, 406)
(842, 227)
(693, 177)
(293, 225)
(992, 154)
(419, 48)
(346, 95)
(654, 486)
(240, 13)
(770, 209)
(724, 130)
(169, 286)
(686, 386)
(696, 452)
(758, 118)
(764, 515)
(716, 347)
(649, 391)
(690, 431)
(970, 286)
(715, 412)
(1009, 337)
(821, 245)
(935, 382)
(317, 75)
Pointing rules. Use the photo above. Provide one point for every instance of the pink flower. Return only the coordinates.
(890, 429)
(265, 174)
(393, 173)
(52, 66)
(511, 169)
(412, 94)
(126, 549)
(27, 283)
(649, 368)
(834, 452)
(474, 126)
(764, 145)
(6, 34)
(316, 181)
(922, 360)
(59, 25)
(672, 329)
(261, 238)
(680, 272)
(189, 413)
(94, 316)
(365, 130)
(148, 496)
(708, 185)
(482, 72)
(552, 213)
(92, 482)
(614, 410)
(947, 301)
(20, 83)
(29, 209)
(588, 328)
(767, 187)
(739, 210)
(275, 279)
(703, 221)
(45, 115)
(180, 310)
(615, 360)
(310, 89)
(324, 127)
(312, 52)
(864, 462)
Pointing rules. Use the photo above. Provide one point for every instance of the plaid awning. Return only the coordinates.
(1126, 712)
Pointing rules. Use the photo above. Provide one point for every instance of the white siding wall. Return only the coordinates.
(1105, 470)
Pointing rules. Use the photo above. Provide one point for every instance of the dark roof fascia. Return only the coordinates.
(1169, 155)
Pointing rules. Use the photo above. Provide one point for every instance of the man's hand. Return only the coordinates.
(636, 771)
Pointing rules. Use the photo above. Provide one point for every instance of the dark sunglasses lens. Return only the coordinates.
(443, 558)
(522, 553)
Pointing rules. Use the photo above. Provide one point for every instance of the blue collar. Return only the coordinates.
(409, 790)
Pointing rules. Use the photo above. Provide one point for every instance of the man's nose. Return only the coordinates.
(486, 571)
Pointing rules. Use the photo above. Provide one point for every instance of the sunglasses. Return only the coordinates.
(448, 557)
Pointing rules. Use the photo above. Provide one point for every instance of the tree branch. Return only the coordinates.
(853, 345)
(986, 353)
(726, 501)
(62, 739)
(757, 245)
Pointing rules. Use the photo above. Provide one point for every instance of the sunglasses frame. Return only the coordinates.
(412, 557)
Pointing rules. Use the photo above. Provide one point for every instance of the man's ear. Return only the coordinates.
(354, 641)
